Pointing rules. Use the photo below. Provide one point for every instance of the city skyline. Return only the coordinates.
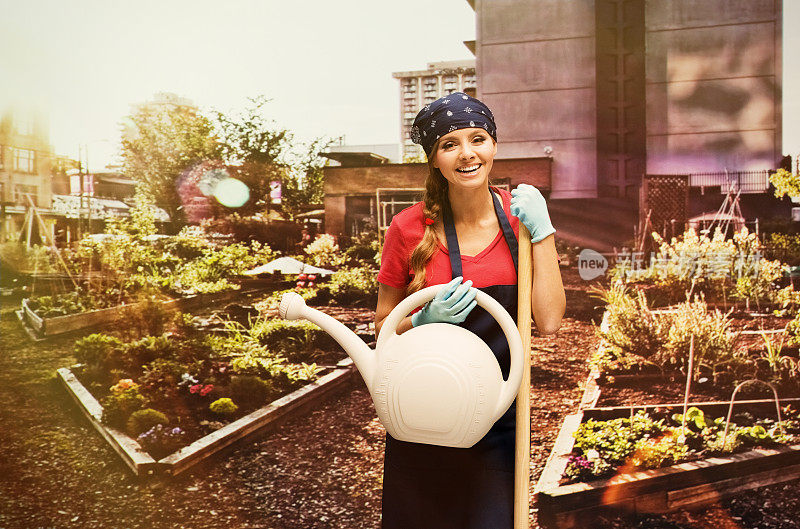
(328, 70)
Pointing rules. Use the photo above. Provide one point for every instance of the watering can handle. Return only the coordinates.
(510, 386)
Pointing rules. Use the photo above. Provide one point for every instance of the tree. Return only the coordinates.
(258, 149)
(161, 143)
(305, 183)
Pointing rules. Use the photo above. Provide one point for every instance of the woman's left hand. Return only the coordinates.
(529, 205)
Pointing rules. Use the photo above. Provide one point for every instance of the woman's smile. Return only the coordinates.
(465, 156)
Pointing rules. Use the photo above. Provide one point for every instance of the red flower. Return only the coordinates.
(206, 390)
(195, 388)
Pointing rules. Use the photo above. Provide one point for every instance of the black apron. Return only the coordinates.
(427, 486)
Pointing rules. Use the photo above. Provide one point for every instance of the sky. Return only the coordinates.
(327, 66)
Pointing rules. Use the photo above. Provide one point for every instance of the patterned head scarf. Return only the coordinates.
(449, 113)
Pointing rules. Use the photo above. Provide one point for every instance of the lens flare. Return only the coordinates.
(231, 193)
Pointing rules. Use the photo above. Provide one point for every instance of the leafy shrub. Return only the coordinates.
(250, 391)
(95, 349)
(118, 406)
(324, 251)
(143, 351)
(350, 285)
(223, 406)
(713, 344)
(161, 440)
(161, 378)
(634, 333)
(696, 263)
(142, 420)
(297, 340)
(638, 335)
(785, 183)
(147, 316)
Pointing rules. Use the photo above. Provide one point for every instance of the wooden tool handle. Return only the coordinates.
(523, 441)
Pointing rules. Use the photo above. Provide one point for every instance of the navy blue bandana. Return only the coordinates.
(449, 113)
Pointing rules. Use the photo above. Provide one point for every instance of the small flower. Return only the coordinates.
(206, 390)
(195, 388)
(467, 110)
(449, 113)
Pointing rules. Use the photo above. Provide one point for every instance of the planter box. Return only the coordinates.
(685, 485)
(256, 423)
(45, 327)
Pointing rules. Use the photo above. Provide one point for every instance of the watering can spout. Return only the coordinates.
(294, 307)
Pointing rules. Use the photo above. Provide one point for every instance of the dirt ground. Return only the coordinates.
(322, 470)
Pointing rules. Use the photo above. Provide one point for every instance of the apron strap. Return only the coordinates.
(508, 233)
(452, 239)
(452, 242)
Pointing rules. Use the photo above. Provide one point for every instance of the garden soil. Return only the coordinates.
(322, 470)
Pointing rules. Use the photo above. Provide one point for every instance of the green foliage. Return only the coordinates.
(34, 259)
(161, 142)
(641, 442)
(258, 146)
(639, 335)
(118, 406)
(142, 420)
(350, 285)
(297, 340)
(324, 251)
(785, 183)
(250, 391)
(147, 349)
(784, 247)
(304, 183)
(95, 349)
(634, 333)
(223, 406)
(715, 266)
(246, 352)
(161, 377)
(364, 250)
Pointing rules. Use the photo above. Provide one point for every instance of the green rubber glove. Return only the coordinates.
(451, 304)
(529, 205)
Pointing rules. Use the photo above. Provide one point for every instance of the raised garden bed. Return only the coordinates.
(681, 486)
(255, 423)
(40, 328)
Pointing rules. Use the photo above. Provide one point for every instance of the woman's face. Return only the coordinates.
(465, 157)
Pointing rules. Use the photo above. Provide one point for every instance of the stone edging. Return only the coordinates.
(257, 422)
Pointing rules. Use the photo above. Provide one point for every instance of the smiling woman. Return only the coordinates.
(464, 233)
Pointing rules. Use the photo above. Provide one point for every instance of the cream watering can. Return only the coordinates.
(436, 384)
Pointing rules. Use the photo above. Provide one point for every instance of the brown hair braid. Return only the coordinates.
(435, 199)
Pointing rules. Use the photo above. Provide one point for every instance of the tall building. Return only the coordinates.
(615, 90)
(25, 159)
(418, 88)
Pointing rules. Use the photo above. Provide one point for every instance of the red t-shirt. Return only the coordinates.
(492, 266)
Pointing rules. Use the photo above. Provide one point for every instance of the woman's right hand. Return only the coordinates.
(451, 304)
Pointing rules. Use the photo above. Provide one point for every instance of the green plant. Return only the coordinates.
(634, 333)
(143, 351)
(161, 377)
(785, 183)
(250, 391)
(223, 406)
(118, 406)
(349, 285)
(95, 348)
(297, 340)
(324, 251)
(142, 420)
(714, 345)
